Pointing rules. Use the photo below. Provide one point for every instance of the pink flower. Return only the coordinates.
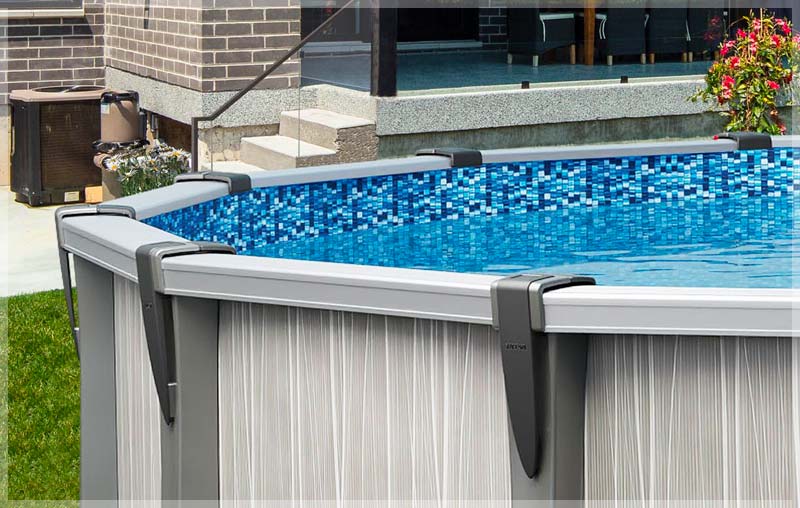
(784, 26)
(741, 34)
(728, 81)
(773, 85)
(776, 40)
(727, 47)
(734, 61)
(727, 88)
(796, 39)
(756, 24)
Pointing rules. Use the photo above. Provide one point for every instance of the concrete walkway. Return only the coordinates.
(29, 257)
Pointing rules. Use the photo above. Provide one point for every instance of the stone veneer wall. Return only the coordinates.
(204, 45)
(492, 28)
(37, 52)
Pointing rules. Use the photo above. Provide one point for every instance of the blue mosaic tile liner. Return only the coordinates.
(265, 216)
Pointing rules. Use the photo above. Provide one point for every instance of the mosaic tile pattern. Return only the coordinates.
(265, 216)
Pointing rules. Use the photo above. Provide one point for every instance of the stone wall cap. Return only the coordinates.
(76, 12)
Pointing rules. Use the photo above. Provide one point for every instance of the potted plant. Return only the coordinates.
(145, 168)
(754, 75)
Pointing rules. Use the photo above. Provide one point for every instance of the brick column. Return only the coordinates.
(492, 27)
(208, 46)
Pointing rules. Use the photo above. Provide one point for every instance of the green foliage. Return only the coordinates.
(147, 168)
(756, 70)
(43, 400)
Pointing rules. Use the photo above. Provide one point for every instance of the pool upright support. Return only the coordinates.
(545, 376)
(158, 314)
(182, 338)
(190, 445)
(63, 255)
(98, 386)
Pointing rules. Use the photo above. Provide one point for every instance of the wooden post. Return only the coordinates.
(588, 32)
(384, 48)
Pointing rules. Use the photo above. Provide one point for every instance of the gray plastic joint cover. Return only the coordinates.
(63, 256)
(157, 312)
(518, 314)
(459, 157)
(748, 140)
(237, 182)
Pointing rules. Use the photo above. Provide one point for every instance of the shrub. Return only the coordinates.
(146, 168)
(754, 74)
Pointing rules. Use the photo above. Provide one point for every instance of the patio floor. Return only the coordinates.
(29, 257)
(449, 70)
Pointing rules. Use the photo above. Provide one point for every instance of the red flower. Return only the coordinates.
(788, 78)
(741, 34)
(773, 85)
(734, 61)
(784, 26)
(776, 40)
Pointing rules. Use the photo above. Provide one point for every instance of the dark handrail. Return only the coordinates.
(272, 68)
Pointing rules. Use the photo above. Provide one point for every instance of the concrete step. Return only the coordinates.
(324, 128)
(283, 152)
(230, 167)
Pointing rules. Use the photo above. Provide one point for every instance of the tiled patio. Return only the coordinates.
(452, 70)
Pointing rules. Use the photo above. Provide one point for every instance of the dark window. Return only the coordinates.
(40, 4)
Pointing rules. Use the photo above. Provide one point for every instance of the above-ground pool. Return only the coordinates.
(372, 337)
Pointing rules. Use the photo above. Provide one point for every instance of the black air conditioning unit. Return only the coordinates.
(52, 155)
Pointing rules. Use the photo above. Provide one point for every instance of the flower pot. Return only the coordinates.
(112, 189)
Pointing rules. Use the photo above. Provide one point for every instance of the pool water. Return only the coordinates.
(726, 219)
(728, 242)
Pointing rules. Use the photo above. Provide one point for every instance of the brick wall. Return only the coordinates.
(50, 52)
(492, 28)
(247, 39)
(210, 46)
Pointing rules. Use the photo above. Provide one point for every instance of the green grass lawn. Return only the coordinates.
(43, 399)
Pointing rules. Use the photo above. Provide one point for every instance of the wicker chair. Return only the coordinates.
(533, 32)
(667, 32)
(620, 32)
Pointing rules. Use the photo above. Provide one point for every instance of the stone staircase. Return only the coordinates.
(307, 137)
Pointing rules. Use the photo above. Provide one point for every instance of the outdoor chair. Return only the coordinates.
(707, 29)
(620, 32)
(667, 32)
(533, 32)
